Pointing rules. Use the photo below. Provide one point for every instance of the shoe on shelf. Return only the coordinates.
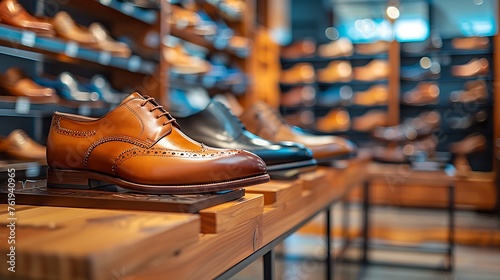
(377, 47)
(474, 91)
(337, 48)
(471, 43)
(377, 69)
(217, 127)
(145, 4)
(299, 96)
(336, 71)
(69, 88)
(108, 44)
(297, 74)
(267, 123)
(410, 129)
(12, 13)
(299, 49)
(68, 29)
(98, 83)
(370, 120)
(143, 151)
(181, 62)
(470, 144)
(467, 121)
(423, 94)
(425, 69)
(432, 43)
(335, 120)
(183, 18)
(377, 94)
(335, 96)
(403, 152)
(14, 82)
(475, 67)
(18, 145)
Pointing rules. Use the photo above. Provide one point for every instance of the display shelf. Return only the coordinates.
(441, 53)
(207, 42)
(149, 16)
(316, 59)
(12, 39)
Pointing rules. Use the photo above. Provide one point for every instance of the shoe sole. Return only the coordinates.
(74, 179)
(291, 165)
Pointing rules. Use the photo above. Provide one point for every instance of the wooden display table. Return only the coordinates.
(219, 241)
(401, 178)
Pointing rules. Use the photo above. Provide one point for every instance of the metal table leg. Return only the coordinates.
(328, 232)
(366, 222)
(269, 265)
(451, 226)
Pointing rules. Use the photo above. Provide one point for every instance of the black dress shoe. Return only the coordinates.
(215, 126)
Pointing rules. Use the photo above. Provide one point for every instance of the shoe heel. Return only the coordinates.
(67, 179)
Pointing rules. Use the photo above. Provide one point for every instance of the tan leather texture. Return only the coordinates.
(12, 13)
(18, 145)
(140, 143)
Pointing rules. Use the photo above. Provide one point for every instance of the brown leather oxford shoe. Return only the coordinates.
(423, 94)
(16, 83)
(14, 14)
(68, 29)
(475, 67)
(265, 122)
(18, 145)
(139, 146)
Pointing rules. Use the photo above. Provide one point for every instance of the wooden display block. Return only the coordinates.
(314, 180)
(227, 215)
(278, 192)
(75, 243)
(36, 193)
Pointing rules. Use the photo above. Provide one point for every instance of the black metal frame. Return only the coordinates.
(268, 254)
(449, 251)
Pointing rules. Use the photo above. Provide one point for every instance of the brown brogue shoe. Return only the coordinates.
(16, 83)
(18, 145)
(266, 122)
(12, 13)
(140, 147)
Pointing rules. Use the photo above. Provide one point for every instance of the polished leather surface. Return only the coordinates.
(262, 120)
(410, 129)
(140, 144)
(470, 144)
(183, 63)
(474, 91)
(108, 44)
(475, 67)
(377, 94)
(423, 94)
(68, 29)
(16, 83)
(335, 120)
(298, 49)
(20, 146)
(12, 13)
(217, 127)
(298, 73)
(376, 69)
(68, 87)
(336, 71)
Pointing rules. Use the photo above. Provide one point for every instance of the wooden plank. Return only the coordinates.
(314, 180)
(227, 215)
(277, 192)
(70, 243)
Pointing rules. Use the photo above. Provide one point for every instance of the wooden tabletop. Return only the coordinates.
(71, 243)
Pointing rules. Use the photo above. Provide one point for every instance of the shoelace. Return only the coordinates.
(170, 119)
